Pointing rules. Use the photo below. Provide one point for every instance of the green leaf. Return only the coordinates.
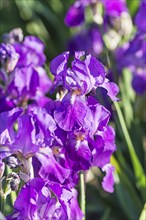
(137, 167)
(143, 213)
(133, 6)
(127, 193)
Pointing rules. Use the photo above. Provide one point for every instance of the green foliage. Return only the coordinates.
(43, 18)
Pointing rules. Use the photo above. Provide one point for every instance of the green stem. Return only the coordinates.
(3, 199)
(13, 197)
(124, 128)
(83, 194)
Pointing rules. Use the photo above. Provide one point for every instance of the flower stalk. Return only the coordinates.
(83, 194)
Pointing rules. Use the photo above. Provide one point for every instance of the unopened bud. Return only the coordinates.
(16, 35)
(8, 57)
(12, 161)
(14, 181)
(2, 168)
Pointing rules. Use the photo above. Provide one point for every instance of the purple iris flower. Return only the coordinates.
(114, 8)
(103, 146)
(75, 15)
(33, 197)
(41, 200)
(79, 114)
(140, 19)
(133, 57)
(22, 75)
(31, 52)
(28, 83)
(33, 132)
(89, 40)
(83, 76)
(139, 83)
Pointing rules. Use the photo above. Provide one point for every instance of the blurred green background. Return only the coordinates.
(42, 18)
(45, 19)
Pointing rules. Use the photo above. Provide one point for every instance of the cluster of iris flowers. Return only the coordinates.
(133, 53)
(45, 142)
(111, 25)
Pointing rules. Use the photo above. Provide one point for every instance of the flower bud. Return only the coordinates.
(2, 168)
(16, 35)
(14, 181)
(8, 57)
(12, 161)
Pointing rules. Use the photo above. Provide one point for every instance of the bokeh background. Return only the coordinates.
(45, 19)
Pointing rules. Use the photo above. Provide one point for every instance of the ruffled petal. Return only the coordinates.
(108, 180)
